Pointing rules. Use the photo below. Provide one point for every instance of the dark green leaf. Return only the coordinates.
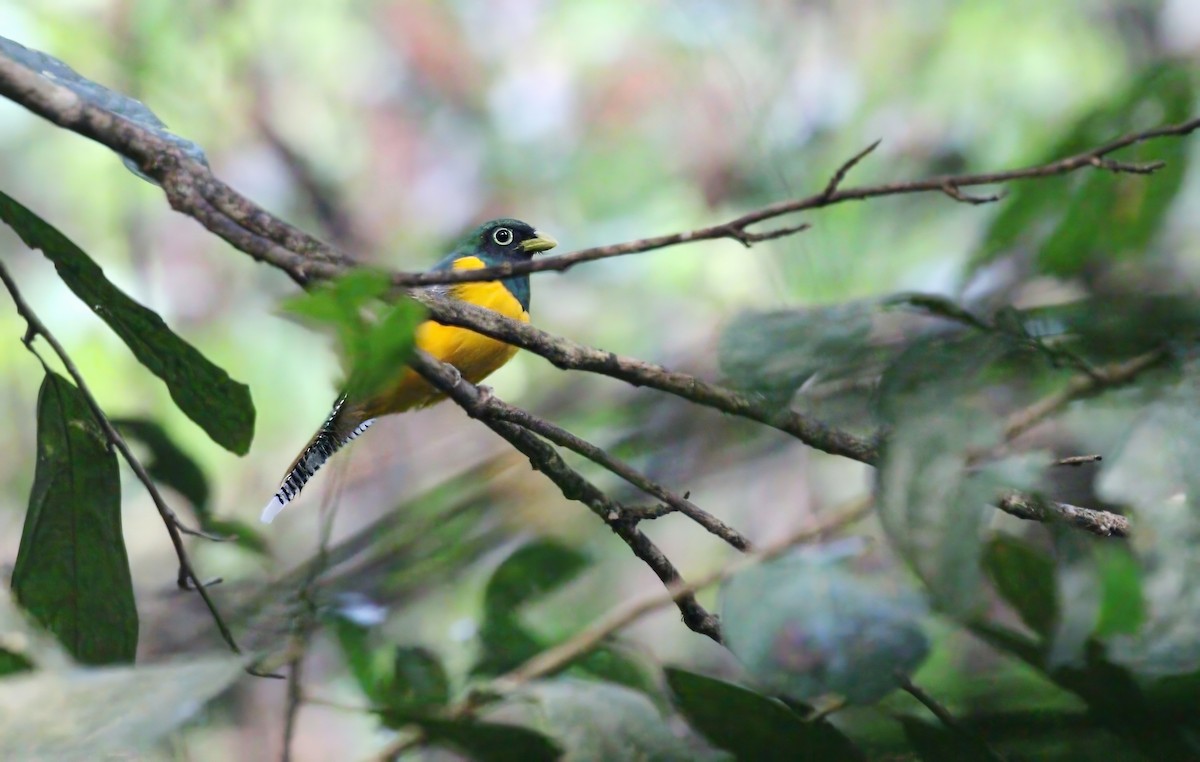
(375, 349)
(504, 644)
(1154, 471)
(935, 743)
(621, 666)
(354, 640)
(1072, 219)
(99, 95)
(933, 503)
(490, 741)
(111, 713)
(1025, 578)
(805, 627)
(12, 662)
(775, 352)
(418, 682)
(71, 571)
(1122, 609)
(753, 726)
(1118, 214)
(204, 392)
(528, 573)
(595, 721)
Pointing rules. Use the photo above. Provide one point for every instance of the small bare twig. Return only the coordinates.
(186, 578)
(1078, 460)
(1097, 522)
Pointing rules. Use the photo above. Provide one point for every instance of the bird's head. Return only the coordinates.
(508, 240)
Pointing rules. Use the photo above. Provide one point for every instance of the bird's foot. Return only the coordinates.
(485, 394)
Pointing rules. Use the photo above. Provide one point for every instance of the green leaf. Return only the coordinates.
(109, 713)
(71, 571)
(933, 502)
(530, 572)
(805, 627)
(418, 682)
(354, 640)
(774, 352)
(935, 743)
(373, 349)
(1154, 470)
(489, 741)
(1122, 608)
(504, 644)
(1072, 219)
(596, 721)
(1025, 578)
(753, 726)
(204, 392)
(616, 664)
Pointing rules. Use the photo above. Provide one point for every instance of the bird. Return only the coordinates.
(473, 355)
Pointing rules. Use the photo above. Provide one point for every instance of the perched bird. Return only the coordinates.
(474, 355)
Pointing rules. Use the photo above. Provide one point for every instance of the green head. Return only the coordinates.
(501, 241)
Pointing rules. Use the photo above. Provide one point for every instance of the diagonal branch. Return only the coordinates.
(573, 486)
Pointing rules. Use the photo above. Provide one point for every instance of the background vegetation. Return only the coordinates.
(387, 129)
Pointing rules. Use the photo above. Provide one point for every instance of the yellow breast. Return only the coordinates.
(476, 356)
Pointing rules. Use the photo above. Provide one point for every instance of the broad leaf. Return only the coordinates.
(775, 352)
(204, 392)
(488, 741)
(418, 682)
(1155, 472)
(753, 726)
(805, 627)
(1025, 578)
(374, 350)
(530, 572)
(108, 713)
(1073, 219)
(596, 721)
(935, 743)
(72, 572)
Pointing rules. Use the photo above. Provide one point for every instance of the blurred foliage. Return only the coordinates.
(389, 128)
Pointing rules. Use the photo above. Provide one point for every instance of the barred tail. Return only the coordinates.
(337, 431)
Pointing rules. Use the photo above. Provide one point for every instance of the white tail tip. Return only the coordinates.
(272, 509)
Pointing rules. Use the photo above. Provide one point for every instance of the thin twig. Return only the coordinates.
(186, 578)
(1079, 386)
(187, 182)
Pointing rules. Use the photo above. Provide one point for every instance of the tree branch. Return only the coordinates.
(573, 486)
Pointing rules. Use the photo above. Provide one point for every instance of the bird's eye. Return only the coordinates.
(502, 236)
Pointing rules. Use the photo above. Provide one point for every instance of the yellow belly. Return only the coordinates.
(474, 355)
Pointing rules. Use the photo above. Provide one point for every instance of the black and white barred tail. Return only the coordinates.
(331, 437)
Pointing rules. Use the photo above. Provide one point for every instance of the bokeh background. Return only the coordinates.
(390, 127)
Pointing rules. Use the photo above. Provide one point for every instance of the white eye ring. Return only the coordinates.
(502, 236)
